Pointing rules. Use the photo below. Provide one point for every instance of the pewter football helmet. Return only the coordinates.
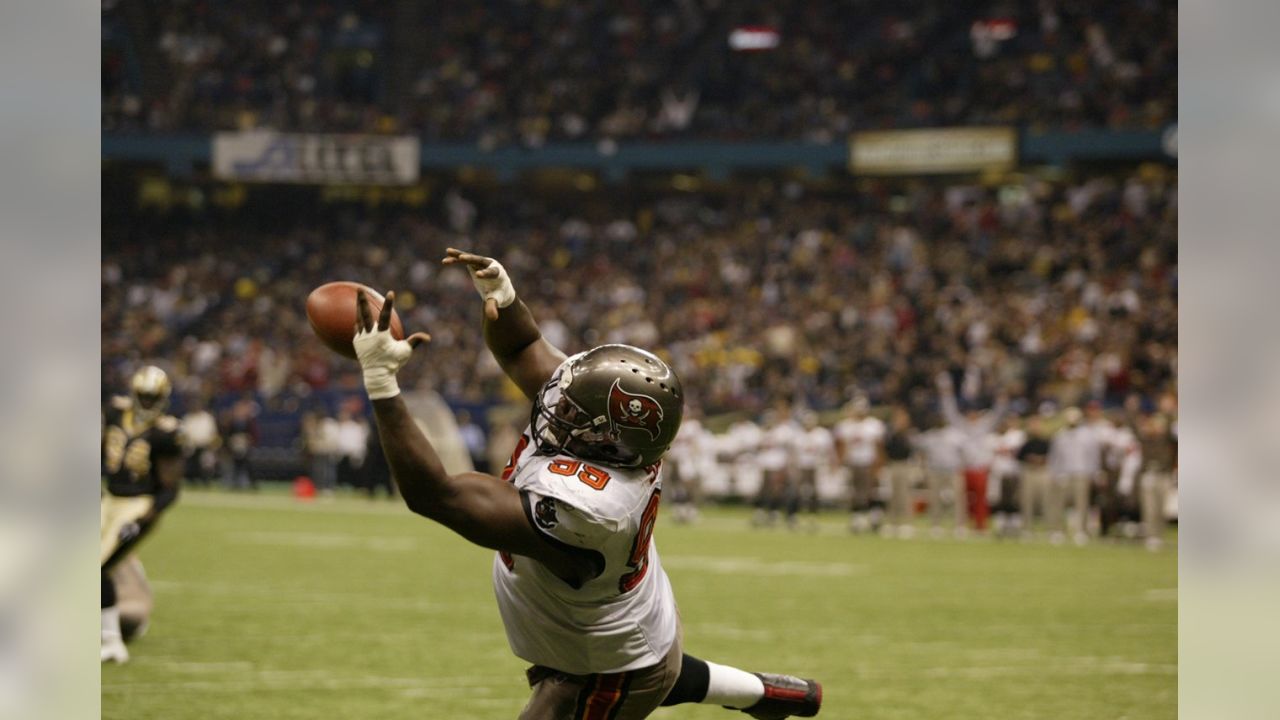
(615, 404)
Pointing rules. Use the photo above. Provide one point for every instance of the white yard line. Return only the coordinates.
(739, 565)
(293, 680)
(344, 541)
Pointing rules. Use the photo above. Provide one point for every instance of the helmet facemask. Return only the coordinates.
(149, 389)
(562, 425)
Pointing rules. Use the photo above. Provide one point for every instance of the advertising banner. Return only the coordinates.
(930, 151)
(264, 156)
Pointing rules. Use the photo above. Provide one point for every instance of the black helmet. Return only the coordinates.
(615, 404)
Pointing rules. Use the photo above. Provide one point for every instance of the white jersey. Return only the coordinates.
(1005, 463)
(862, 440)
(1126, 458)
(776, 445)
(690, 449)
(814, 448)
(622, 619)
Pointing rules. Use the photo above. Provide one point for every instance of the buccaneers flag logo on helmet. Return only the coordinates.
(627, 410)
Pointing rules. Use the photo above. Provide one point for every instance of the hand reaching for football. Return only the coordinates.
(381, 356)
(489, 277)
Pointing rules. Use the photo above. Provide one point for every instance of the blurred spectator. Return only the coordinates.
(1075, 457)
(514, 72)
(1118, 503)
(1159, 457)
(902, 471)
(1005, 490)
(473, 437)
(376, 470)
(1069, 299)
(242, 435)
(352, 446)
(320, 436)
(201, 442)
(941, 445)
(979, 448)
(1037, 488)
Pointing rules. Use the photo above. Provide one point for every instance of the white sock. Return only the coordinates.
(111, 624)
(732, 687)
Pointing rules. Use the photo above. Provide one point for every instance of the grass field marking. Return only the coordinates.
(1049, 667)
(312, 540)
(170, 663)
(294, 680)
(751, 566)
(733, 632)
(341, 506)
(293, 595)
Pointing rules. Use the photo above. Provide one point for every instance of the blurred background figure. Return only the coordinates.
(352, 447)
(1159, 458)
(375, 471)
(979, 446)
(1118, 500)
(903, 471)
(1075, 456)
(860, 444)
(942, 446)
(473, 437)
(201, 442)
(320, 435)
(814, 452)
(777, 445)
(1033, 458)
(1005, 489)
(242, 435)
(685, 464)
(740, 450)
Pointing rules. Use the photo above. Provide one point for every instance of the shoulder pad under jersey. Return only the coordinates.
(605, 496)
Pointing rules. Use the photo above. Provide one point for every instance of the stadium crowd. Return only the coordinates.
(1046, 295)
(531, 71)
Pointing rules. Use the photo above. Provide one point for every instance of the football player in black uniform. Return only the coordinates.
(142, 466)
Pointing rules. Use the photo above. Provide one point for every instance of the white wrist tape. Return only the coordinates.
(499, 288)
(380, 384)
(380, 356)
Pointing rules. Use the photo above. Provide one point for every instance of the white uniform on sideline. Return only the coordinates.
(814, 448)
(776, 446)
(861, 438)
(624, 618)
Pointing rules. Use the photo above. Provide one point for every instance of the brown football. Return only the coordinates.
(331, 308)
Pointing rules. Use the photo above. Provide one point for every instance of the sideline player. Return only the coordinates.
(142, 464)
(579, 583)
(860, 442)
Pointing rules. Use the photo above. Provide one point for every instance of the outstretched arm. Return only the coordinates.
(947, 397)
(509, 328)
(479, 507)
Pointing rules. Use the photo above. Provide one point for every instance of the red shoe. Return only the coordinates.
(786, 696)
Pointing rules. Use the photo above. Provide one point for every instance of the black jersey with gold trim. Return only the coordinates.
(131, 448)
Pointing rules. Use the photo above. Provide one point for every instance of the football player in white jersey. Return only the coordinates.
(860, 442)
(814, 451)
(579, 583)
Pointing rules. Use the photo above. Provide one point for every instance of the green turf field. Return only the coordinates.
(270, 608)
